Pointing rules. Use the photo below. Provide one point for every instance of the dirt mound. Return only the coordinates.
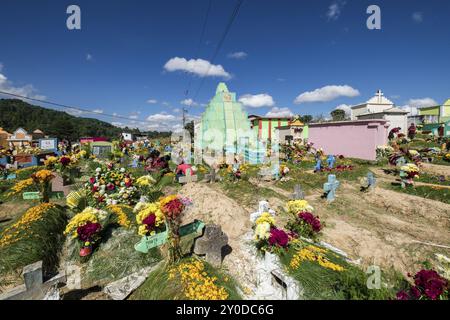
(212, 206)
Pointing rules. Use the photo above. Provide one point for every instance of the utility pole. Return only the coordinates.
(184, 117)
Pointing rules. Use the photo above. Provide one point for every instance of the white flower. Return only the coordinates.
(262, 231)
(102, 214)
(122, 170)
(98, 169)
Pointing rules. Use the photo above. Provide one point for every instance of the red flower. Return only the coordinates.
(64, 161)
(310, 219)
(173, 208)
(92, 180)
(88, 231)
(278, 238)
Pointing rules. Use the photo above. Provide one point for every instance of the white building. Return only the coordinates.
(379, 107)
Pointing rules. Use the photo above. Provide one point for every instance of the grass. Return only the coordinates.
(158, 286)
(247, 193)
(434, 179)
(433, 193)
(33, 241)
(320, 283)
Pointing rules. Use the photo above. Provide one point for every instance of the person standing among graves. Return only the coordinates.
(393, 133)
(441, 132)
(412, 131)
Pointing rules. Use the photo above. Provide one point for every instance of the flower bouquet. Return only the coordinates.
(303, 223)
(111, 186)
(172, 207)
(149, 218)
(86, 228)
(428, 285)
(147, 187)
(42, 180)
(407, 174)
(268, 237)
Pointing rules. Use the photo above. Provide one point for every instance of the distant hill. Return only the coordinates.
(16, 113)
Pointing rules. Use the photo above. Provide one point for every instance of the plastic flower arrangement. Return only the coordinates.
(121, 216)
(85, 226)
(428, 285)
(447, 157)
(150, 219)
(50, 162)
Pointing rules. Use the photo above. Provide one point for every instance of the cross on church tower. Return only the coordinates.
(379, 94)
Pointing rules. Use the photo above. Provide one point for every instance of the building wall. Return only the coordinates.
(356, 139)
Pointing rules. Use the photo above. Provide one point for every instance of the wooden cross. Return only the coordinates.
(330, 187)
(34, 288)
(211, 244)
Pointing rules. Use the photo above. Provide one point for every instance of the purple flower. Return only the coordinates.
(310, 219)
(87, 231)
(402, 295)
(278, 238)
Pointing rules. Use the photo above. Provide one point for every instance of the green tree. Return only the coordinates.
(338, 115)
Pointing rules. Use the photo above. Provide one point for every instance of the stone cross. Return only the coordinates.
(58, 185)
(188, 178)
(211, 176)
(34, 287)
(371, 180)
(263, 206)
(211, 244)
(298, 194)
(330, 187)
(331, 160)
(318, 166)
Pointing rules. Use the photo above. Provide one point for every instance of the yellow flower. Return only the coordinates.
(145, 181)
(87, 215)
(265, 217)
(19, 230)
(296, 206)
(122, 218)
(19, 186)
(313, 254)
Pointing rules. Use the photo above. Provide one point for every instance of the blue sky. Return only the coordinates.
(123, 60)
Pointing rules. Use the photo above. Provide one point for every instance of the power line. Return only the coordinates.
(219, 45)
(70, 107)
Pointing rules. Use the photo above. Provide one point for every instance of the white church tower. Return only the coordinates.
(379, 107)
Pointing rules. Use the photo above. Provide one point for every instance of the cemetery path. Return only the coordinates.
(386, 229)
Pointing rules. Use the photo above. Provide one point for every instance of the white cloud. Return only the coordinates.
(133, 116)
(326, 93)
(118, 124)
(257, 100)
(177, 110)
(347, 108)
(74, 112)
(8, 86)
(335, 10)
(165, 103)
(159, 117)
(279, 112)
(97, 110)
(281, 79)
(237, 55)
(89, 57)
(189, 102)
(152, 101)
(417, 17)
(413, 104)
(199, 67)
